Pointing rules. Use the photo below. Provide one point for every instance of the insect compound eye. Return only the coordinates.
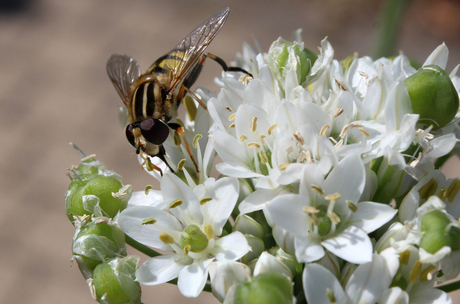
(130, 135)
(154, 130)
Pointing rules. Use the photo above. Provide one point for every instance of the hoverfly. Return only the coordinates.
(153, 97)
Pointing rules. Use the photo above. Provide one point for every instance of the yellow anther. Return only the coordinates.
(263, 157)
(232, 125)
(253, 145)
(453, 190)
(363, 74)
(344, 130)
(283, 166)
(243, 137)
(232, 117)
(338, 111)
(428, 189)
(442, 194)
(209, 232)
(331, 296)
(341, 85)
(175, 203)
(253, 126)
(187, 249)
(147, 189)
(196, 139)
(353, 208)
(205, 199)
(270, 130)
(180, 165)
(323, 130)
(333, 196)
(415, 272)
(310, 209)
(166, 238)
(149, 221)
(148, 164)
(318, 189)
(177, 140)
(404, 257)
(333, 217)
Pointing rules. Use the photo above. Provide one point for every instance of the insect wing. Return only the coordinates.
(123, 72)
(192, 47)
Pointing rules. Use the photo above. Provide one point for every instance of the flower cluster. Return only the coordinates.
(329, 190)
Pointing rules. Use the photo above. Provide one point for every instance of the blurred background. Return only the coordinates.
(54, 89)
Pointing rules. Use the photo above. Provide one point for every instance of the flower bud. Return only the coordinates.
(195, 238)
(433, 96)
(438, 232)
(95, 242)
(115, 282)
(284, 56)
(266, 288)
(93, 194)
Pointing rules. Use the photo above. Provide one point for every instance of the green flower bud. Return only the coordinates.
(438, 232)
(433, 96)
(92, 194)
(247, 225)
(266, 288)
(257, 247)
(195, 238)
(284, 56)
(95, 242)
(115, 282)
(324, 222)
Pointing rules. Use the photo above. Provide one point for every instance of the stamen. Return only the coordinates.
(353, 208)
(334, 196)
(318, 189)
(243, 137)
(166, 238)
(180, 165)
(344, 131)
(363, 74)
(341, 85)
(263, 139)
(323, 130)
(363, 131)
(175, 204)
(196, 139)
(339, 144)
(299, 138)
(177, 140)
(404, 257)
(263, 157)
(229, 109)
(147, 189)
(283, 166)
(309, 158)
(425, 275)
(333, 217)
(310, 209)
(232, 125)
(289, 150)
(148, 164)
(270, 130)
(187, 249)
(149, 221)
(428, 189)
(314, 219)
(253, 145)
(209, 232)
(338, 111)
(442, 194)
(253, 126)
(415, 272)
(453, 190)
(204, 200)
(232, 117)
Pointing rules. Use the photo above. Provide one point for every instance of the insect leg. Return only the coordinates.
(195, 97)
(179, 129)
(223, 64)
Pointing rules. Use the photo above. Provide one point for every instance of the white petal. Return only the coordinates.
(442, 145)
(192, 278)
(130, 221)
(308, 249)
(430, 296)
(161, 269)
(225, 194)
(352, 245)
(226, 274)
(258, 199)
(231, 247)
(317, 281)
(268, 263)
(371, 216)
(236, 169)
(287, 212)
(439, 56)
(369, 280)
(139, 198)
(397, 105)
(394, 295)
(222, 141)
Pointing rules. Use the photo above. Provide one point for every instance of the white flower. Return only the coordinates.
(188, 228)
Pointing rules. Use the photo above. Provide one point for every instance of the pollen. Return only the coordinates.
(323, 130)
(270, 130)
(149, 221)
(253, 145)
(175, 204)
(204, 200)
(232, 117)
(147, 189)
(166, 238)
(253, 126)
(331, 197)
(317, 188)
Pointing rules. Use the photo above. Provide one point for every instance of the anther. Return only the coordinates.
(243, 137)
(353, 208)
(166, 238)
(442, 194)
(344, 131)
(175, 203)
(318, 189)
(180, 165)
(333, 217)
(253, 145)
(283, 166)
(263, 157)
(323, 130)
(363, 74)
(404, 257)
(205, 199)
(147, 189)
(253, 126)
(149, 221)
(331, 296)
(299, 138)
(310, 209)
(428, 189)
(232, 117)
(338, 111)
(232, 125)
(363, 131)
(453, 190)
(426, 275)
(415, 272)
(334, 196)
(270, 130)
(209, 232)
(196, 139)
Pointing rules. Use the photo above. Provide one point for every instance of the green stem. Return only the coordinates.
(152, 253)
(450, 287)
(387, 33)
(142, 248)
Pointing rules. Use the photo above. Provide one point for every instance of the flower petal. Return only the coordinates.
(318, 282)
(371, 216)
(308, 249)
(352, 245)
(231, 247)
(192, 278)
(161, 269)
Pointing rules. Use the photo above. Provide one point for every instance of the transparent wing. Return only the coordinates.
(123, 72)
(192, 47)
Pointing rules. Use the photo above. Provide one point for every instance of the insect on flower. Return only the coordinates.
(153, 97)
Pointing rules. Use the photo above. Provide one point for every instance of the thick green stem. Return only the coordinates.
(387, 33)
